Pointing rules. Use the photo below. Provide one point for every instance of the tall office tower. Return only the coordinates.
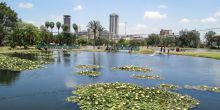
(114, 24)
(67, 21)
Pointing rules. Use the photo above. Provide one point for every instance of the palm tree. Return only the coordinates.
(58, 24)
(47, 24)
(75, 27)
(65, 27)
(52, 26)
(101, 29)
(94, 26)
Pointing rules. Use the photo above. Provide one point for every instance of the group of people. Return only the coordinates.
(163, 50)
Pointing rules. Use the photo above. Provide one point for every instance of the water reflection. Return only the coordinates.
(8, 78)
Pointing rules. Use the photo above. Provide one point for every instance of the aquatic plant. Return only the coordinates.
(89, 73)
(88, 66)
(203, 88)
(133, 68)
(125, 96)
(18, 64)
(145, 76)
(168, 86)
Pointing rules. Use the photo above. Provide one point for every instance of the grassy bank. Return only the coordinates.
(18, 49)
(144, 51)
(213, 55)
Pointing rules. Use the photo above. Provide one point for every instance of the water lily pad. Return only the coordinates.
(145, 76)
(88, 66)
(133, 68)
(168, 87)
(125, 96)
(203, 88)
(89, 73)
(18, 64)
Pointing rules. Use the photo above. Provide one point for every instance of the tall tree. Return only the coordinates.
(65, 27)
(47, 24)
(52, 26)
(94, 26)
(209, 38)
(8, 20)
(75, 27)
(58, 24)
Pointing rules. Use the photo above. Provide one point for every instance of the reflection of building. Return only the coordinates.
(165, 32)
(114, 24)
(67, 21)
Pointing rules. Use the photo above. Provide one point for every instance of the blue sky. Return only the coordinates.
(143, 16)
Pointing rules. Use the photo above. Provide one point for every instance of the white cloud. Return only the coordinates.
(209, 20)
(217, 14)
(78, 8)
(25, 5)
(162, 6)
(184, 21)
(141, 26)
(155, 15)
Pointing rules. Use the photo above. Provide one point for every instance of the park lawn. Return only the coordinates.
(144, 51)
(213, 55)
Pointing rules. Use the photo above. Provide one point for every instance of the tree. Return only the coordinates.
(123, 42)
(47, 24)
(8, 20)
(153, 40)
(75, 27)
(65, 27)
(216, 39)
(58, 24)
(209, 38)
(94, 26)
(25, 34)
(101, 29)
(189, 38)
(52, 26)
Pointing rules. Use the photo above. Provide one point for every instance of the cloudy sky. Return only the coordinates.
(143, 16)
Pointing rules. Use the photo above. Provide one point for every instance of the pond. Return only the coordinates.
(48, 88)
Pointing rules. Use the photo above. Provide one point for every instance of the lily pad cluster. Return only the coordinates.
(18, 64)
(88, 66)
(89, 73)
(133, 68)
(203, 88)
(168, 87)
(145, 76)
(125, 96)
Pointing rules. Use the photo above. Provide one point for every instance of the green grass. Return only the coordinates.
(144, 51)
(213, 55)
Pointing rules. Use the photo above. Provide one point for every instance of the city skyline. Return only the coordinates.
(143, 16)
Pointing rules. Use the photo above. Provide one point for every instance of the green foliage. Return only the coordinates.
(123, 42)
(133, 68)
(47, 24)
(24, 34)
(89, 73)
(209, 38)
(8, 19)
(82, 41)
(75, 27)
(65, 27)
(95, 26)
(144, 76)
(136, 43)
(58, 24)
(189, 38)
(125, 96)
(52, 25)
(153, 40)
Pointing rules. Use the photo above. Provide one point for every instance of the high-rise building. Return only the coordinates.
(114, 24)
(67, 21)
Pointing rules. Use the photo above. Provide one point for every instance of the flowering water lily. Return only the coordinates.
(88, 66)
(203, 88)
(18, 64)
(145, 76)
(168, 86)
(89, 73)
(133, 68)
(125, 96)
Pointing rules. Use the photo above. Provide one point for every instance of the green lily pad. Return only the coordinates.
(203, 88)
(168, 86)
(144, 76)
(88, 66)
(89, 73)
(18, 64)
(133, 68)
(125, 96)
